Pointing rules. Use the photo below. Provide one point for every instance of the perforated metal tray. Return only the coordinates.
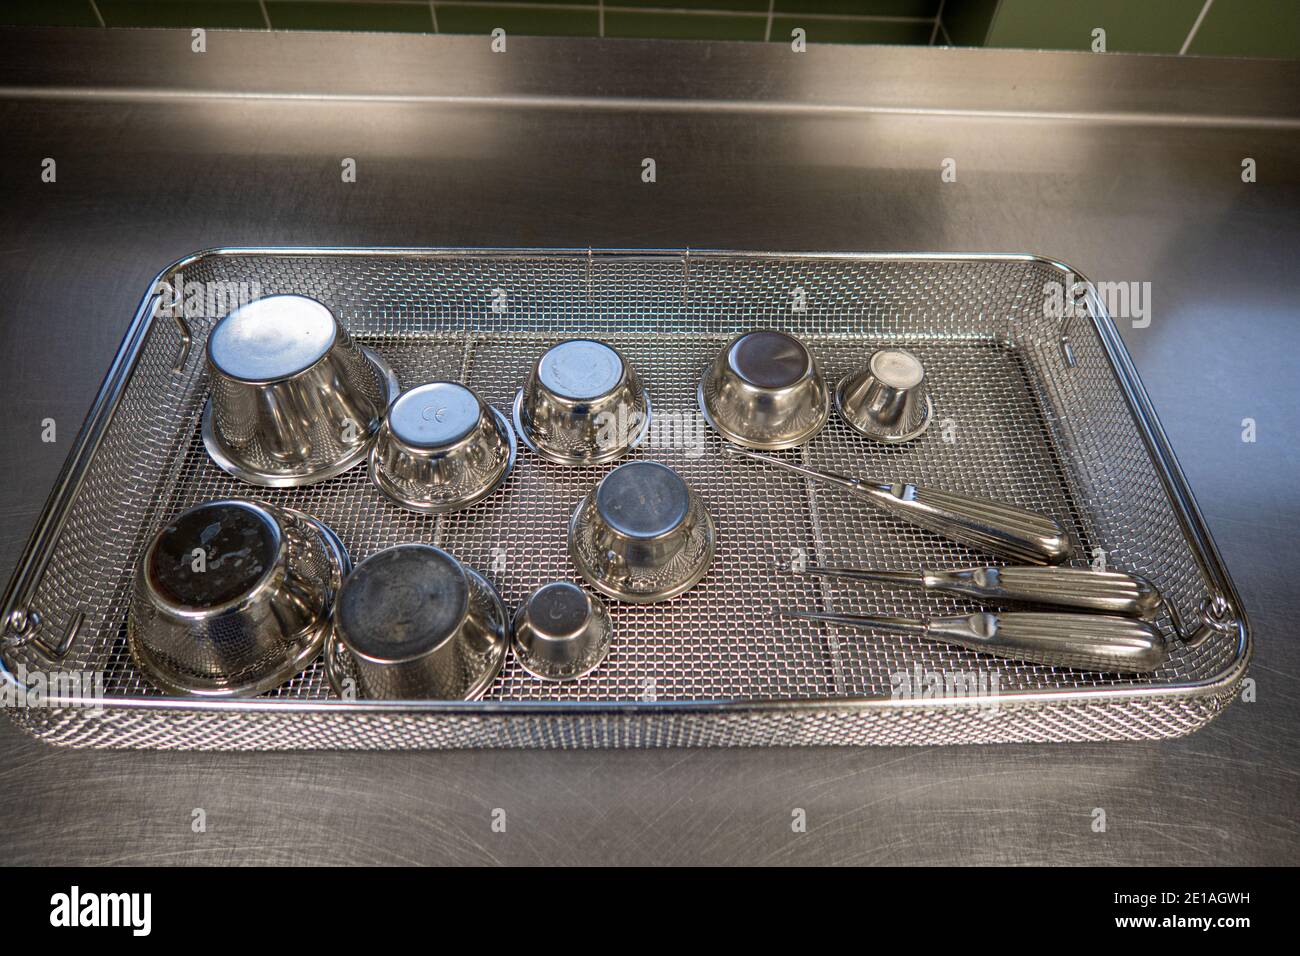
(1039, 410)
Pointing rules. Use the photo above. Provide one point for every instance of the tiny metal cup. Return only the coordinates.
(582, 404)
(232, 598)
(642, 535)
(561, 632)
(440, 449)
(764, 390)
(889, 400)
(295, 399)
(414, 623)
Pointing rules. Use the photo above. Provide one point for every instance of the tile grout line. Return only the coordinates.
(767, 31)
(938, 19)
(1191, 34)
(988, 27)
(94, 8)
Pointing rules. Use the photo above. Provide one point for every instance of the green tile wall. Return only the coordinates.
(514, 3)
(1249, 28)
(827, 21)
(213, 14)
(824, 30)
(48, 13)
(683, 26)
(966, 22)
(923, 9)
(1148, 26)
(1228, 27)
(325, 15)
(520, 20)
(751, 6)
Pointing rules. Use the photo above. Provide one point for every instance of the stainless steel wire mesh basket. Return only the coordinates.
(1042, 410)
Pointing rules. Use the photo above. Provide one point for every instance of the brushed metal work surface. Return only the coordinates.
(1124, 194)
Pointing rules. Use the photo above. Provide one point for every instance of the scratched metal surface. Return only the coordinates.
(1124, 194)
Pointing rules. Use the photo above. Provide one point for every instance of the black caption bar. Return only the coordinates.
(334, 906)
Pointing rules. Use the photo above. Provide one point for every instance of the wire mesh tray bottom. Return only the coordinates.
(1013, 420)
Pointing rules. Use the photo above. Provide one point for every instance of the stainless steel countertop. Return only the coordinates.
(1127, 167)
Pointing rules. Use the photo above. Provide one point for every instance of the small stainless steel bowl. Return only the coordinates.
(764, 390)
(232, 598)
(642, 535)
(441, 449)
(561, 632)
(413, 623)
(582, 404)
(295, 399)
(889, 400)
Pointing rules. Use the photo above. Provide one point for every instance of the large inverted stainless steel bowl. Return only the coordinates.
(234, 597)
(295, 400)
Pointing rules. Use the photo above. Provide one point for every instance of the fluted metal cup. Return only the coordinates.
(440, 449)
(642, 535)
(295, 399)
(582, 404)
(233, 597)
(413, 623)
(764, 390)
(561, 632)
(889, 400)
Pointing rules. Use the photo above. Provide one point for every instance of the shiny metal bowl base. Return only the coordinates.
(642, 534)
(561, 632)
(413, 623)
(764, 390)
(888, 400)
(441, 449)
(582, 404)
(294, 399)
(252, 614)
